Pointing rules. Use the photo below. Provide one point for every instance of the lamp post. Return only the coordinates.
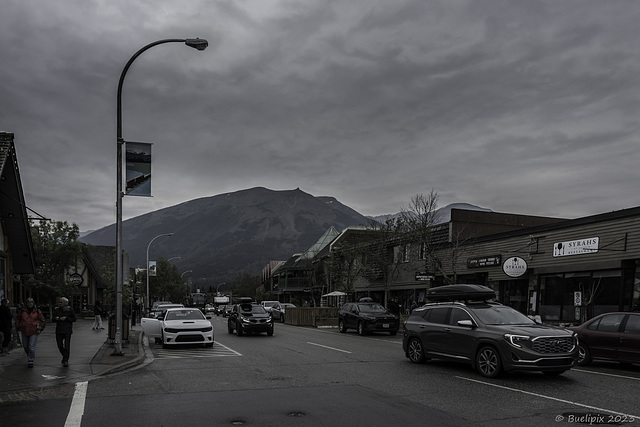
(148, 246)
(174, 257)
(188, 271)
(219, 287)
(199, 44)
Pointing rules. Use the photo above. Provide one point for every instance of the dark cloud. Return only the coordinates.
(526, 107)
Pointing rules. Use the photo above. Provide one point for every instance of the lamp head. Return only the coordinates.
(200, 44)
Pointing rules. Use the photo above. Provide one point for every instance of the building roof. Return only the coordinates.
(13, 210)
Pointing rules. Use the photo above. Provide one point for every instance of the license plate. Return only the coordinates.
(385, 325)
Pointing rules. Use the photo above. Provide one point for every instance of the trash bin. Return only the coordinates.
(125, 327)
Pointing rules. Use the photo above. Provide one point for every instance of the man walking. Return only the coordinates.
(64, 316)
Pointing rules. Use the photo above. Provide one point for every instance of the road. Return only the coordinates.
(316, 377)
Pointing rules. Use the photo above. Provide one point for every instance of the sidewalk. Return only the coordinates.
(91, 356)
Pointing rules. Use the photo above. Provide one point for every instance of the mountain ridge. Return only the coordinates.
(217, 237)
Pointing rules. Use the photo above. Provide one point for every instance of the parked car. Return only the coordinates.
(489, 336)
(609, 336)
(367, 317)
(161, 308)
(268, 304)
(185, 325)
(249, 317)
(278, 310)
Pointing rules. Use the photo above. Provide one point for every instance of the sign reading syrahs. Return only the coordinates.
(576, 247)
(514, 266)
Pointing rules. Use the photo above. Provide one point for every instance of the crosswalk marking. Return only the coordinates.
(184, 352)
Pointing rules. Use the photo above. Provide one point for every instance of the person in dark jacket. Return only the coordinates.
(30, 322)
(5, 326)
(64, 316)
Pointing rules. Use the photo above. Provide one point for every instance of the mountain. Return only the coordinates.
(442, 214)
(220, 236)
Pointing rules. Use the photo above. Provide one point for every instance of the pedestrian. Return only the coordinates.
(64, 316)
(413, 306)
(5, 326)
(30, 322)
(394, 307)
(97, 312)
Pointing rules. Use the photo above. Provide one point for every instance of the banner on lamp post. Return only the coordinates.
(152, 268)
(138, 156)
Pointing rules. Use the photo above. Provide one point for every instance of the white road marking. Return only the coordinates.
(218, 350)
(330, 348)
(582, 405)
(76, 411)
(606, 374)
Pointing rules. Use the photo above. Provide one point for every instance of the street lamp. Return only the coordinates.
(199, 44)
(148, 246)
(174, 257)
(188, 271)
(219, 287)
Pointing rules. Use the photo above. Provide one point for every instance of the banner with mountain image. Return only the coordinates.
(138, 156)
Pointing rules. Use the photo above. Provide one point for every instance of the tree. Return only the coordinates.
(56, 250)
(167, 284)
(245, 285)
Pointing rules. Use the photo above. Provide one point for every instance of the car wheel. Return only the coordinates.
(488, 362)
(270, 333)
(361, 328)
(282, 318)
(584, 355)
(393, 333)
(209, 344)
(239, 330)
(341, 327)
(229, 327)
(415, 351)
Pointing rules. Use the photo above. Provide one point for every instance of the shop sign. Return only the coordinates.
(487, 261)
(514, 266)
(424, 276)
(75, 279)
(576, 247)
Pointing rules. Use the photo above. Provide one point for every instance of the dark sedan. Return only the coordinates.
(609, 336)
(367, 317)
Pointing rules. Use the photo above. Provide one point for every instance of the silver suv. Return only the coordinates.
(489, 336)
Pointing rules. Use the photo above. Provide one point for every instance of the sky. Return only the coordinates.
(527, 107)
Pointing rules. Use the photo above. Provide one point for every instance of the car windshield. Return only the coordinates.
(252, 309)
(371, 308)
(184, 315)
(501, 315)
(270, 303)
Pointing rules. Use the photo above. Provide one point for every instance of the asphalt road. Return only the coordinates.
(317, 377)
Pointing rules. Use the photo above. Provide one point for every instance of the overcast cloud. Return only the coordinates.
(527, 107)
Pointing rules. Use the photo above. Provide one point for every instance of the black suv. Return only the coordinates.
(249, 317)
(488, 335)
(367, 317)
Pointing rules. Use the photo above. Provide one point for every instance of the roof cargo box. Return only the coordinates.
(460, 293)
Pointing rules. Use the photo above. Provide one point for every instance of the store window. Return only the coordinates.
(600, 292)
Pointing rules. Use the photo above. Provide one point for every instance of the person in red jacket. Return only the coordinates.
(30, 322)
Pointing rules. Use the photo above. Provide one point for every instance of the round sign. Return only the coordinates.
(76, 279)
(514, 266)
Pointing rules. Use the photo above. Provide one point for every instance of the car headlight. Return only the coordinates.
(516, 340)
(244, 319)
(210, 328)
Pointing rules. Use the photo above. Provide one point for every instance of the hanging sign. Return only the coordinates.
(514, 266)
(152, 268)
(138, 169)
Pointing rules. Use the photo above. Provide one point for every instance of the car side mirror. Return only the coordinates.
(466, 323)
